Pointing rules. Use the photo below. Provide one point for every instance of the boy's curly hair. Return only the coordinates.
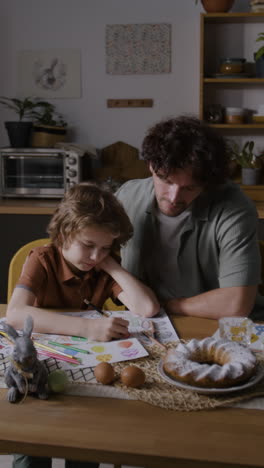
(185, 141)
(89, 204)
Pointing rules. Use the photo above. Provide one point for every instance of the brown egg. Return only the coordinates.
(133, 376)
(104, 373)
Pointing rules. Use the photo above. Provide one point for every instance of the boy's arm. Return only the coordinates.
(45, 321)
(136, 296)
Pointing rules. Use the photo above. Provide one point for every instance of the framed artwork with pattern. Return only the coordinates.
(138, 49)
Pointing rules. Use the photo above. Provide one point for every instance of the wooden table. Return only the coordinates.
(134, 433)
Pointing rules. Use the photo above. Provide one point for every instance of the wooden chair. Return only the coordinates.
(18, 261)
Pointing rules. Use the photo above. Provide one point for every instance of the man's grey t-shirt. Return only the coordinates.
(163, 262)
(216, 246)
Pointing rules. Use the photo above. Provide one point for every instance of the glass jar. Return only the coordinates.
(230, 66)
(234, 115)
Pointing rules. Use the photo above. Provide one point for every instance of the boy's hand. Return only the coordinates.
(105, 329)
(108, 264)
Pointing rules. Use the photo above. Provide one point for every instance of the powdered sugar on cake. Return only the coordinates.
(210, 362)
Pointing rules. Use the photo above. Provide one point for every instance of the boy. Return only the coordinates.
(79, 265)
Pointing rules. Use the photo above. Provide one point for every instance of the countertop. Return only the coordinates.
(47, 207)
(25, 206)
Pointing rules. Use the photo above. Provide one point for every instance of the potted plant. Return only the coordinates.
(259, 57)
(49, 127)
(249, 162)
(216, 6)
(19, 131)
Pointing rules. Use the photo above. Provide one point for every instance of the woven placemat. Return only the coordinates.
(160, 393)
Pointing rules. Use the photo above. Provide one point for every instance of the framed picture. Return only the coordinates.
(54, 73)
(138, 49)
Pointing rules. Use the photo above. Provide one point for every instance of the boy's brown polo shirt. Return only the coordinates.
(55, 285)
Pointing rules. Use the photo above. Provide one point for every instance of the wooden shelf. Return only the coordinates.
(239, 126)
(255, 192)
(247, 17)
(217, 33)
(250, 81)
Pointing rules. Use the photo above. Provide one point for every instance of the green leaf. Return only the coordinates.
(39, 111)
(259, 53)
(260, 38)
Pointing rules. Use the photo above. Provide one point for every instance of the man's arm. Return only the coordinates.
(222, 302)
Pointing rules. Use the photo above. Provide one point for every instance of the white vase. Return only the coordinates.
(250, 176)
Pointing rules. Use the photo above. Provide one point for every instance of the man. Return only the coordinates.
(195, 241)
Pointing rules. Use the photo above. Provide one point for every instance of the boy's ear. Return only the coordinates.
(62, 241)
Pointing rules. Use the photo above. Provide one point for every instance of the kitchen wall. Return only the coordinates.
(80, 24)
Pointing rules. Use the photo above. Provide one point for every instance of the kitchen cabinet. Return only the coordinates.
(21, 222)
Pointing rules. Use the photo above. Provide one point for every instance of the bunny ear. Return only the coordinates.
(28, 326)
(12, 333)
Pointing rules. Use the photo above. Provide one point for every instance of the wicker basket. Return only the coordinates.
(46, 136)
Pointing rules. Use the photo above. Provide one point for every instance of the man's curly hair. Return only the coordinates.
(178, 143)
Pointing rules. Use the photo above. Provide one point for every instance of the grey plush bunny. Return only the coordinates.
(25, 372)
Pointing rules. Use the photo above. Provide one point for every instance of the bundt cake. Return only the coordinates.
(210, 363)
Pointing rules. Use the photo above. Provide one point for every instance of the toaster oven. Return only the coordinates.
(40, 172)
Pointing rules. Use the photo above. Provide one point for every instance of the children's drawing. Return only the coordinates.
(86, 354)
(89, 353)
(125, 344)
(97, 348)
(104, 357)
(130, 353)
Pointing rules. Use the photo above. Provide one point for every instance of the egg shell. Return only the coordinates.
(104, 373)
(133, 376)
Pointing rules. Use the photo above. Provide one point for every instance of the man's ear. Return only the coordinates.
(151, 169)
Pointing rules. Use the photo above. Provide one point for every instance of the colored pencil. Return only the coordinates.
(151, 329)
(47, 348)
(40, 345)
(48, 353)
(59, 357)
(6, 336)
(154, 340)
(101, 312)
(72, 348)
